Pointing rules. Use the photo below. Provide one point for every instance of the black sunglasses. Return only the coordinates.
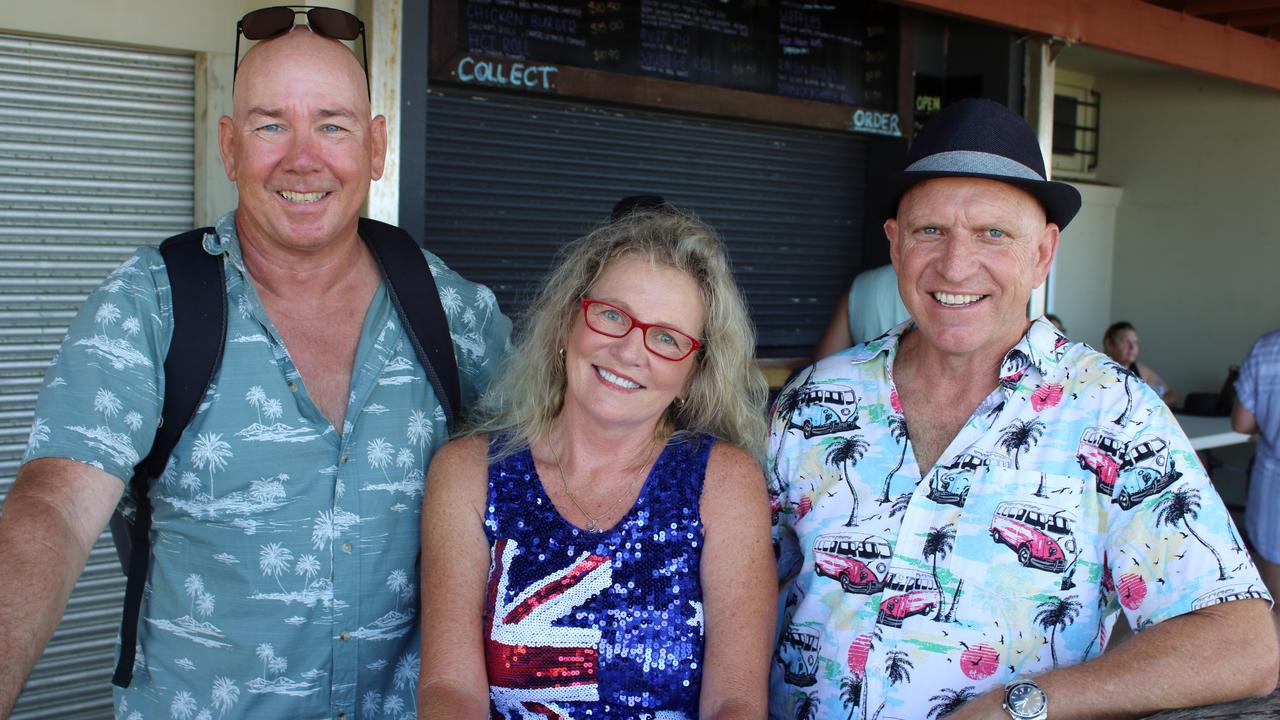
(327, 22)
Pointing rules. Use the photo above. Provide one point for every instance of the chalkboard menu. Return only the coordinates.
(834, 52)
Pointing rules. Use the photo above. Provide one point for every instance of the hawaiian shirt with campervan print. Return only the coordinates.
(283, 580)
(1069, 496)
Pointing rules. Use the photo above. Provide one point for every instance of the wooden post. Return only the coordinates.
(1039, 113)
(383, 25)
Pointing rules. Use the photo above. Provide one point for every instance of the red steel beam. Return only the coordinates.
(1254, 19)
(1135, 28)
(1200, 8)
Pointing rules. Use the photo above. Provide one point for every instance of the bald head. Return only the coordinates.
(301, 56)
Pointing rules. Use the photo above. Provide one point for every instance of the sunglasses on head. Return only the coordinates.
(326, 22)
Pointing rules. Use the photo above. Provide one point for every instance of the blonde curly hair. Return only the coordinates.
(727, 392)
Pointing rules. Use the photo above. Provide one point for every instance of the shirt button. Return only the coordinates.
(346, 548)
(344, 636)
(341, 715)
(293, 386)
(346, 459)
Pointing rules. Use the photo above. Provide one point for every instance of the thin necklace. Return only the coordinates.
(593, 522)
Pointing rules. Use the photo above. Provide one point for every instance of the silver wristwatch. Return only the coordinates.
(1024, 700)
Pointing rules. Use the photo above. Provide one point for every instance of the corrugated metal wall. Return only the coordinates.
(96, 157)
(511, 178)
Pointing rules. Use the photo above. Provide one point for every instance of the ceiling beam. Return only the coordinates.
(1254, 19)
(1134, 28)
(1200, 8)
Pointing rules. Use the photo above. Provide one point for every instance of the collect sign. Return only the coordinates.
(500, 73)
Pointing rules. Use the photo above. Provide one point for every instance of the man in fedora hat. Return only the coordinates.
(966, 504)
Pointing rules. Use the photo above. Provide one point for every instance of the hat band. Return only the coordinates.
(972, 162)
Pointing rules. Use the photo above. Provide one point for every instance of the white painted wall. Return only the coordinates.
(1080, 285)
(1197, 248)
(207, 30)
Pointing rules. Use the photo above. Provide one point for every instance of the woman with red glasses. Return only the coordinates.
(599, 547)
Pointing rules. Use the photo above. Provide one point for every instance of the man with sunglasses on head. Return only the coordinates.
(282, 579)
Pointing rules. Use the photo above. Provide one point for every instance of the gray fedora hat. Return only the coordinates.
(981, 139)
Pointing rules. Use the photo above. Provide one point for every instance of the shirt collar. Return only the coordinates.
(224, 240)
(1040, 349)
(886, 343)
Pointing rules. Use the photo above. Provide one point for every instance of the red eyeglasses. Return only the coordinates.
(326, 22)
(612, 321)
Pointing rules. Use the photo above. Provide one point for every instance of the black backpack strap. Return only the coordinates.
(197, 283)
(413, 293)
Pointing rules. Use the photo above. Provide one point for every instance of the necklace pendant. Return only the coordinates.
(591, 525)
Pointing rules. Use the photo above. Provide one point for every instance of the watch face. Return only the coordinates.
(1026, 700)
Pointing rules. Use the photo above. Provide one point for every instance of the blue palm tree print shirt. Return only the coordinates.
(283, 579)
(1069, 496)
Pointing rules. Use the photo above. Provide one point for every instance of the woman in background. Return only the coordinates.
(600, 547)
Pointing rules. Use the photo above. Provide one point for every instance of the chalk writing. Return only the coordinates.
(502, 74)
(838, 52)
(876, 123)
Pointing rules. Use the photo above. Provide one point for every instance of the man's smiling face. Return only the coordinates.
(301, 148)
(968, 252)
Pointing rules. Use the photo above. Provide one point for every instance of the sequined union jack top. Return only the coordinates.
(596, 625)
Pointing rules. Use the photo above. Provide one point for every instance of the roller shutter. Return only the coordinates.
(511, 178)
(96, 157)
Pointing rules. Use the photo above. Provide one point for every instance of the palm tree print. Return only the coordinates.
(398, 583)
(194, 586)
(378, 453)
(949, 700)
(842, 452)
(955, 598)
(1020, 435)
(307, 566)
(39, 433)
(851, 692)
(898, 431)
(789, 400)
(900, 504)
(274, 559)
(205, 604)
(107, 403)
(211, 450)
(256, 396)
(106, 315)
(404, 461)
(225, 694)
(450, 299)
(371, 703)
(938, 543)
(419, 431)
(266, 652)
(392, 707)
(272, 409)
(406, 676)
(131, 326)
(183, 706)
(807, 708)
(1176, 507)
(1056, 614)
(897, 667)
(1123, 372)
(189, 482)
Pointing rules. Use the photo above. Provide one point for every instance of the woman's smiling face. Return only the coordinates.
(617, 381)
